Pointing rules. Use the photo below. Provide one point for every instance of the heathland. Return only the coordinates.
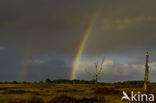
(46, 92)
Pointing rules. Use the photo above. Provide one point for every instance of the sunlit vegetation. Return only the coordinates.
(67, 91)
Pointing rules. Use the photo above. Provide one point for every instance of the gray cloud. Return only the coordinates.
(52, 69)
(2, 48)
(113, 72)
(30, 29)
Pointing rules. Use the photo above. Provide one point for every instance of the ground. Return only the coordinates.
(55, 93)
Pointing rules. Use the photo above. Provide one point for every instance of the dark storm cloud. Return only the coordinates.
(59, 25)
(54, 69)
(10, 60)
(30, 29)
(2, 48)
(125, 27)
(14, 67)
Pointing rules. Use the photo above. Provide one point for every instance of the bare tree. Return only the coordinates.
(98, 70)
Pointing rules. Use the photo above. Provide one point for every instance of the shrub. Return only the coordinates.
(35, 100)
(106, 91)
(19, 101)
(62, 99)
(31, 100)
(68, 99)
(14, 82)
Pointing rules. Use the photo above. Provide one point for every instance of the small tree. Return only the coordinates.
(24, 82)
(40, 81)
(14, 82)
(48, 80)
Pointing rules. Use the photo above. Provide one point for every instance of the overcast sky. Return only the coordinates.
(39, 38)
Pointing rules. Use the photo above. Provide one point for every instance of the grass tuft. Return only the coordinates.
(31, 100)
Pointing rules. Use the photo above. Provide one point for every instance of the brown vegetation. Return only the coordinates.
(30, 100)
(66, 93)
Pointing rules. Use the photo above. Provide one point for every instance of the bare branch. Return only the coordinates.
(98, 69)
(96, 64)
(101, 66)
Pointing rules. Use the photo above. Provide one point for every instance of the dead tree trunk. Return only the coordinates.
(146, 73)
(98, 71)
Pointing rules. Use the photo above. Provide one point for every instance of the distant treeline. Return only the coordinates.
(65, 81)
(57, 81)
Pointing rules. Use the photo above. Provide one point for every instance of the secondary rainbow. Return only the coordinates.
(81, 48)
(25, 66)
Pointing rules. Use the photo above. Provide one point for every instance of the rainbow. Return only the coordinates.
(25, 67)
(81, 47)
